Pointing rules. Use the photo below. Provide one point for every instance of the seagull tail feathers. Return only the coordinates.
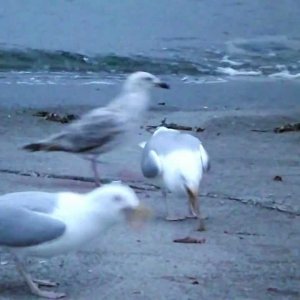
(40, 146)
(204, 159)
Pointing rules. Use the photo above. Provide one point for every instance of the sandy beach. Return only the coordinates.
(251, 248)
(234, 69)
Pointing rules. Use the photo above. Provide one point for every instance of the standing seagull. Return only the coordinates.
(49, 224)
(105, 128)
(176, 162)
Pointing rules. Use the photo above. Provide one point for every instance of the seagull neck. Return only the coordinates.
(135, 101)
(99, 206)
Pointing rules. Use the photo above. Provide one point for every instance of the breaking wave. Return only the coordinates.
(272, 58)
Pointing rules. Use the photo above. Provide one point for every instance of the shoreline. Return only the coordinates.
(229, 95)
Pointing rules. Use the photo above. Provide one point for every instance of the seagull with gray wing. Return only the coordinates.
(107, 128)
(176, 162)
(44, 224)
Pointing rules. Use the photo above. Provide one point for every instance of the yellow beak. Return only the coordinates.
(136, 216)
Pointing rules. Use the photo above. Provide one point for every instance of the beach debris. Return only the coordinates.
(245, 233)
(192, 279)
(199, 129)
(174, 126)
(55, 117)
(287, 127)
(277, 178)
(137, 292)
(272, 289)
(182, 279)
(260, 130)
(283, 292)
(190, 240)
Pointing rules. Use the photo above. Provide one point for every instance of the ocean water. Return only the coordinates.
(90, 42)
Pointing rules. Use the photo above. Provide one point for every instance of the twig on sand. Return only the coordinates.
(174, 126)
(55, 117)
(287, 127)
(261, 130)
(277, 178)
(190, 240)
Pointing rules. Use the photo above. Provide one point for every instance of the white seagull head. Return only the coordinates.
(117, 202)
(143, 81)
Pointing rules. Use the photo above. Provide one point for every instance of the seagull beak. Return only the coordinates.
(162, 85)
(136, 216)
(193, 199)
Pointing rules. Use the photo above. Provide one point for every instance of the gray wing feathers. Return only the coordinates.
(20, 227)
(165, 142)
(93, 131)
(149, 165)
(36, 201)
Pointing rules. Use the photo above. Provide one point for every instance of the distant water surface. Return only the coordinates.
(95, 42)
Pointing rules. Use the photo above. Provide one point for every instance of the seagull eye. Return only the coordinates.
(148, 78)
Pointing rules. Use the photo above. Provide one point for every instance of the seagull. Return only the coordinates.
(176, 161)
(42, 224)
(104, 129)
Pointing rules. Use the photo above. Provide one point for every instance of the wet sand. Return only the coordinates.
(232, 94)
(253, 234)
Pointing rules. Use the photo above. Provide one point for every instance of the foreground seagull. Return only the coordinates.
(176, 162)
(48, 224)
(105, 128)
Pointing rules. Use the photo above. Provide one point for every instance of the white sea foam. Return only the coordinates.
(285, 74)
(207, 80)
(102, 82)
(226, 59)
(232, 72)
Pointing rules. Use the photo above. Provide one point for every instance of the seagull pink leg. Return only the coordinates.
(32, 285)
(200, 219)
(170, 216)
(95, 171)
(191, 214)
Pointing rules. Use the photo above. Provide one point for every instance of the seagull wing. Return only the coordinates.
(94, 131)
(25, 218)
(21, 227)
(151, 165)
